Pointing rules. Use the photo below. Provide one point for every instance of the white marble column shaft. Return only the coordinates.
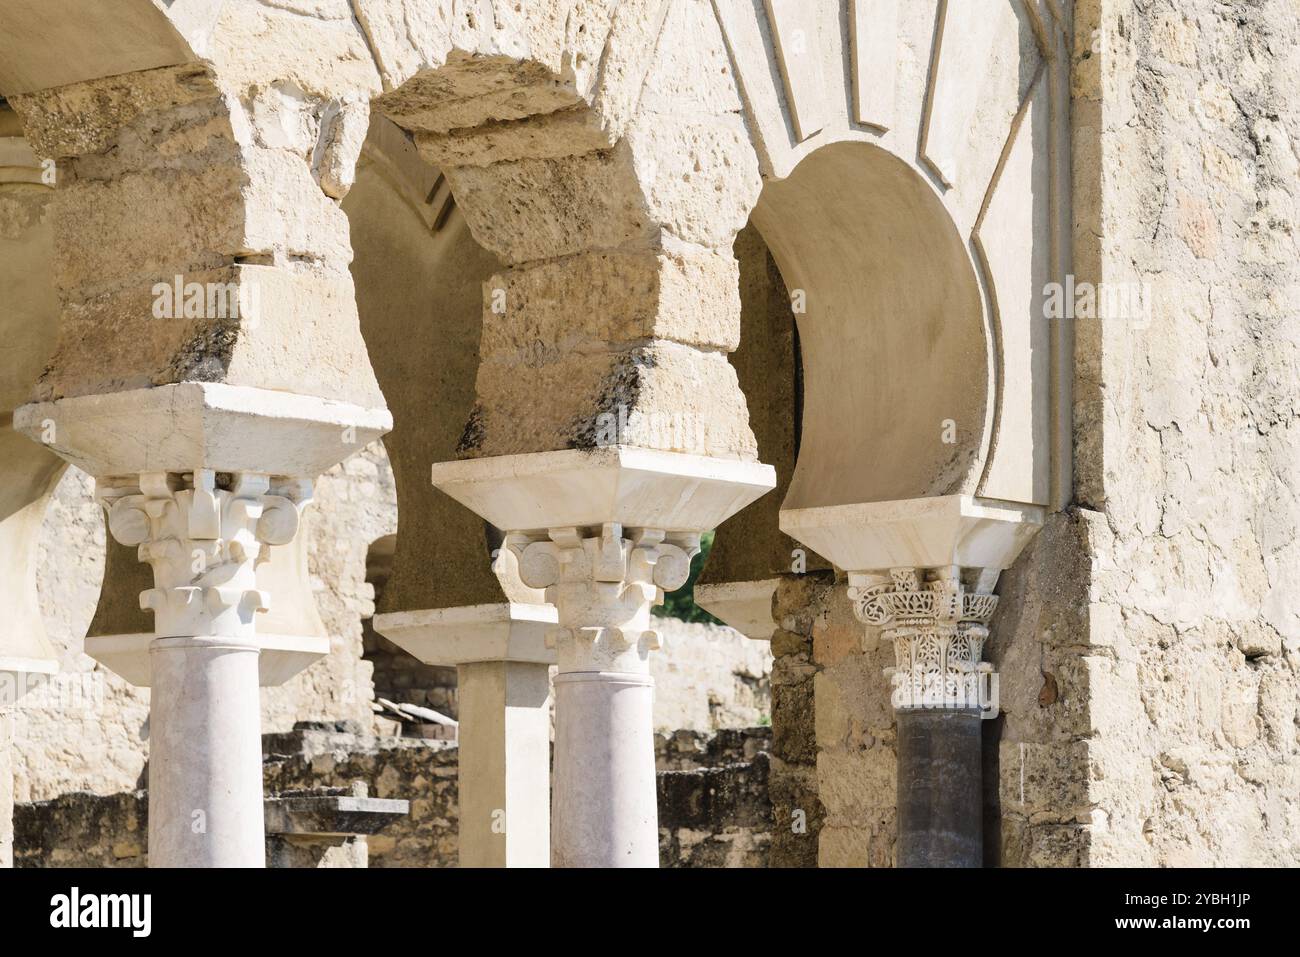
(205, 754)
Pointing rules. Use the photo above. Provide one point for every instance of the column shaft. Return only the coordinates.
(940, 820)
(205, 755)
(504, 766)
(605, 799)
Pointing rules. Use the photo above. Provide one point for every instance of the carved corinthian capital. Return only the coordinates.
(204, 534)
(603, 582)
(938, 623)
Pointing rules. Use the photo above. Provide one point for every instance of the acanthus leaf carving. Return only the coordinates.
(938, 627)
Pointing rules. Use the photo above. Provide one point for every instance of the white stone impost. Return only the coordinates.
(745, 606)
(924, 570)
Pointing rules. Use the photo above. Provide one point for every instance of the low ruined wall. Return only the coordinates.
(714, 809)
(713, 804)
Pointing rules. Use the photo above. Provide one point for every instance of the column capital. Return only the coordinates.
(938, 622)
(924, 571)
(204, 538)
(603, 582)
(204, 535)
(604, 532)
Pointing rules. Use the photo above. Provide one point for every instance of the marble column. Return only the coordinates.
(938, 621)
(204, 530)
(204, 539)
(203, 543)
(605, 532)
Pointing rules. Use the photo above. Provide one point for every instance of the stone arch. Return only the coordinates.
(30, 472)
(891, 329)
(954, 113)
(599, 153)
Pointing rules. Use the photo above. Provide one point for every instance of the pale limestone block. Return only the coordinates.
(253, 44)
(611, 298)
(534, 209)
(700, 180)
(691, 71)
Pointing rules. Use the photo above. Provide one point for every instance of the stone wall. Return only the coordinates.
(713, 804)
(709, 677)
(1187, 175)
(714, 808)
(797, 811)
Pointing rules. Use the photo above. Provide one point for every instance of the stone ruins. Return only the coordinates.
(375, 370)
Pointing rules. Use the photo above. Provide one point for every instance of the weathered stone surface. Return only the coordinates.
(714, 810)
(1185, 180)
(583, 302)
(664, 396)
(692, 805)
(798, 813)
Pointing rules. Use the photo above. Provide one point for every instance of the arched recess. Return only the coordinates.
(28, 472)
(916, 191)
(896, 359)
(916, 200)
(419, 277)
(892, 377)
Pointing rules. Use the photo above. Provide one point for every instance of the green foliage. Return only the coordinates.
(681, 603)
